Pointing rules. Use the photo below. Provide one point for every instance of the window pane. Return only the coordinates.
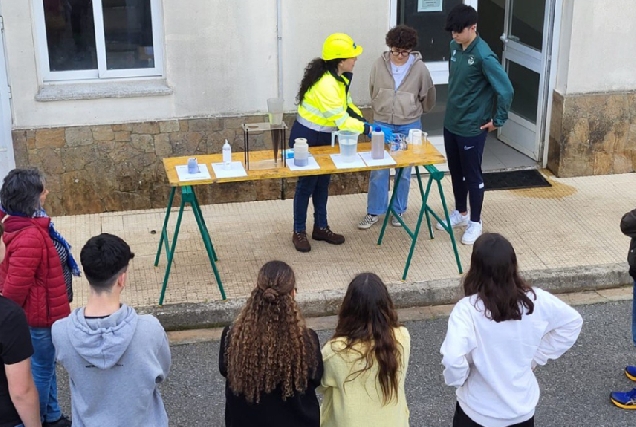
(527, 22)
(526, 85)
(70, 35)
(128, 34)
(433, 40)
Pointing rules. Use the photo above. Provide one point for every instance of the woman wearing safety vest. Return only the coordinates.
(324, 106)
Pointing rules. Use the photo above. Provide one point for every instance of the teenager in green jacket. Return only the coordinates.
(479, 97)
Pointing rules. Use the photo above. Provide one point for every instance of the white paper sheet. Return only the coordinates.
(233, 170)
(312, 164)
(337, 161)
(386, 161)
(182, 172)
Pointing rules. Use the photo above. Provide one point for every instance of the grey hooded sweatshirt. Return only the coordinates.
(115, 365)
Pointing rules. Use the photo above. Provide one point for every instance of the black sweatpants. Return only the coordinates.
(462, 420)
(464, 155)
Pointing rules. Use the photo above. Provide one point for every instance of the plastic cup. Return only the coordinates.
(348, 142)
(275, 110)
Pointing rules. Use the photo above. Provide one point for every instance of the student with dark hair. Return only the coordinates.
(115, 358)
(366, 360)
(497, 334)
(627, 400)
(479, 97)
(31, 276)
(324, 106)
(19, 403)
(270, 359)
(401, 91)
(62, 247)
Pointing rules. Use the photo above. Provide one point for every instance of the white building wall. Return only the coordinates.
(220, 57)
(596, 46)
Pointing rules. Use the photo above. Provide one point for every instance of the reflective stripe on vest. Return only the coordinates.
(313, 126)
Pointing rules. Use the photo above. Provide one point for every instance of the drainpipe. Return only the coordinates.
(279, 52)
(279, 36)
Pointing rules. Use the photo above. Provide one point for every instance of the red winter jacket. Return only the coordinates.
(31, 274)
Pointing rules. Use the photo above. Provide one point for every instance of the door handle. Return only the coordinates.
(504, 38)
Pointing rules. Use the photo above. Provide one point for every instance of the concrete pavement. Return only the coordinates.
(567, 238)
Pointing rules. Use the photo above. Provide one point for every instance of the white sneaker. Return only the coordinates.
(456, 220)
(367, 221)
(395, 222)
(473, 231)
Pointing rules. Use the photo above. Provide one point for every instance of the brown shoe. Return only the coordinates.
(300, 242)
(326, 235)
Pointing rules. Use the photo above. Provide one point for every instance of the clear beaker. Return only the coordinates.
(275, 110)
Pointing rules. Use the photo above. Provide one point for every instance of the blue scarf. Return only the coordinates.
(56, 236)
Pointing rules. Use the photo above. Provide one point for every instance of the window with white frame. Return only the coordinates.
(95, 39)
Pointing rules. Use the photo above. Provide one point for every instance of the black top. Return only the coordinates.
(300, 410)
(15, 346)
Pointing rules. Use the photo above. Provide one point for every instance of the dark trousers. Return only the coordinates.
(462, 420)
(464, 155)
(314, 187)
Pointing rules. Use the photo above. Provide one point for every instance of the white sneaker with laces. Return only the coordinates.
(367, 221)
(456, 220)
(395, 222)
(473, 231)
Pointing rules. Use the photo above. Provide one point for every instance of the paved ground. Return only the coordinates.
(574, 223)
(574, 388)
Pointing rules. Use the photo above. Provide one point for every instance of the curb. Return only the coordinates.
(415, 294)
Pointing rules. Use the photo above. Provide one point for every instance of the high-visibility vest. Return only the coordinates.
(324, 107)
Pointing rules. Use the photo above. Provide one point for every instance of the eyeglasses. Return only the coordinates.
(400, 52)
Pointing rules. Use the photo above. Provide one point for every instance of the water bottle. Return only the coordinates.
(377, 143)
(227, 154)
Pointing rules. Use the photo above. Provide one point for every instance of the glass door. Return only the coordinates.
(526, 52)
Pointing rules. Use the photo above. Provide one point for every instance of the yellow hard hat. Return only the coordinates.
(339, 45)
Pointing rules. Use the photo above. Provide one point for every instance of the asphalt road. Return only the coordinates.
(574, 388)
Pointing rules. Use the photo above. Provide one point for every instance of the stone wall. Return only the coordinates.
(592, 134)
(94, 169)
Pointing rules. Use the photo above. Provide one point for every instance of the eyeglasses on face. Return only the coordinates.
(400, 52)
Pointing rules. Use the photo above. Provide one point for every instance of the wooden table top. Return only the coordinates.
(262, 163)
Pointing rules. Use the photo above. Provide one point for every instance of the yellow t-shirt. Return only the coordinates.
(360, 402)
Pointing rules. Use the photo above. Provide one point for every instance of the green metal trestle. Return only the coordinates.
(434, 176)
(188, 196)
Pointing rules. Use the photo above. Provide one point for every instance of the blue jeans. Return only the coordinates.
(43, 370)
(634, 315)
(378, 197)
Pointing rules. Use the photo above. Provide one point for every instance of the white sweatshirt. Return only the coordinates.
(491, 363)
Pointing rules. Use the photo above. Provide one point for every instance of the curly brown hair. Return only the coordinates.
(367, 316)
(269, 344)
(402, 37)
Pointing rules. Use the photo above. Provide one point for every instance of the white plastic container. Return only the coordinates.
(301, 152)
(377, 144)
(348, 142)
(227, 154)
(415, 137)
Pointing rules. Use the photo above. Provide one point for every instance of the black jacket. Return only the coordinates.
(300, 410)
(628, 227)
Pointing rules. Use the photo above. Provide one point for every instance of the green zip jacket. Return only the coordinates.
(478, 89)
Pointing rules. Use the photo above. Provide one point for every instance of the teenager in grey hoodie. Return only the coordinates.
(115, 358)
